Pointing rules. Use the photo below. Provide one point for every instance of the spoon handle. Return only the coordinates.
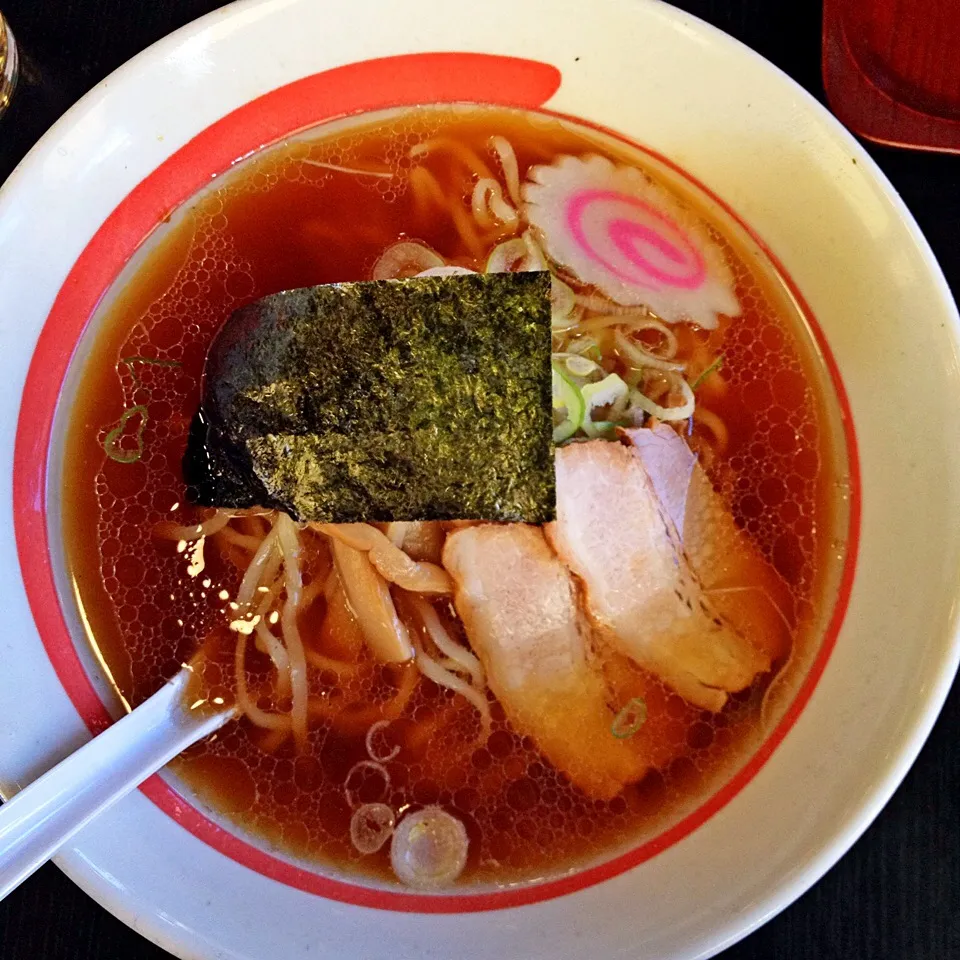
(46, 814)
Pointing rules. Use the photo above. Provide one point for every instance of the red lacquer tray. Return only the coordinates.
(891, 69)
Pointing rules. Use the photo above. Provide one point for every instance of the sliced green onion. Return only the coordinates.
(602, 429)
(506, 256)
(630, 719)
(581, 366)
(131, 364)
(111, 442)
(610, 392)
(404, 259)
(716, 365)
(566, 397)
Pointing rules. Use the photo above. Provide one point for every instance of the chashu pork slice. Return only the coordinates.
(614, 534)
(519, 607)
(741, 584)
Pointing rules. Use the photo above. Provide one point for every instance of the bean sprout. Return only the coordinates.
(508, 162)
(444, 678)
(266, 558)
(277, 652)
(391, 562)
(289, 543)
(488, 205)
(387, 174)
(442, 640)
(246, 705)
(193, 531)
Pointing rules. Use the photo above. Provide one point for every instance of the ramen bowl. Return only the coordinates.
(128, 157)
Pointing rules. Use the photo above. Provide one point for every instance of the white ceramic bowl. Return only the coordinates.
(153, 133)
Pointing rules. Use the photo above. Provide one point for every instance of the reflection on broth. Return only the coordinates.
(538, 698)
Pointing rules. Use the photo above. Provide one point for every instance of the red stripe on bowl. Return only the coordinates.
(355, 88)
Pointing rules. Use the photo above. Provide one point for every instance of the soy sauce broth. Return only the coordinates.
(289, 218)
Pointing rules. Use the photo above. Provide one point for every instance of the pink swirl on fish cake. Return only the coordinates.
(641, 247)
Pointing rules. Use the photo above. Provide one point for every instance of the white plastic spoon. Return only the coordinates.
(46, 814)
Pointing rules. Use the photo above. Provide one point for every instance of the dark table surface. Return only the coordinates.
(896, 895)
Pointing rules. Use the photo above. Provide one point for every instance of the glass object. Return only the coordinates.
(8, 64)
(891, 69)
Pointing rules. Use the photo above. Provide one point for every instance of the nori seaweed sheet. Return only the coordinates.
(420, 399)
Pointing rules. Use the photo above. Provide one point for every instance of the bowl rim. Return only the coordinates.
(160, 195)
(898, 765)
